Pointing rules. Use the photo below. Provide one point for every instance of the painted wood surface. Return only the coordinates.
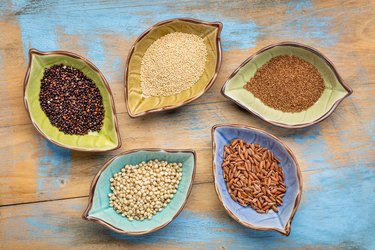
(43, 188)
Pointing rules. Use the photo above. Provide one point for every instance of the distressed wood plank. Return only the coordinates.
(337, 156)
(41, 171)
(317, 24)
(324, 220)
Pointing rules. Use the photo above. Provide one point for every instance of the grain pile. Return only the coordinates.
(172, 64)
(71, 100)
(253, 176)
(140, 191)
(287, 83)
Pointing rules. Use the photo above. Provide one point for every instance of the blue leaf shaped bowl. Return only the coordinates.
(98, 209)
(281, 221)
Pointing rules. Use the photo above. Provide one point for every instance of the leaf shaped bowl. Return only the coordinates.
(335, 88)
(137, 104)
(108, 138)
(281, 221)
(98, 209)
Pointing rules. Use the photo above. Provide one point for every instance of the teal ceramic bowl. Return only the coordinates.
(98, 209)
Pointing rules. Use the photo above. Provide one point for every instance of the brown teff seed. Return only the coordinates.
(253, 176)
(71, 100)
(287, 83)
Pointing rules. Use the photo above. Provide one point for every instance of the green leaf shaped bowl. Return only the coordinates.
(335, 88)
(108, 138)
(137, 104)
(98, 209)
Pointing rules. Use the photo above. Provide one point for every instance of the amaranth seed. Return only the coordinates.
(172, 64)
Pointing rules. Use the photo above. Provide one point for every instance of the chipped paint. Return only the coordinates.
(337, 155)
(53, 169)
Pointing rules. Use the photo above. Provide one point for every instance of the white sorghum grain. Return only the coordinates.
(172, 64)
(139, 191)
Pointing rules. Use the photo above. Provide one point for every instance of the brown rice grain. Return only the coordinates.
(253, 176)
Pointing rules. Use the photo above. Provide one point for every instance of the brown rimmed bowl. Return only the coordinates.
(335, 90)
(99, 211)
(108, 138)
(137, 104)
(281, 222)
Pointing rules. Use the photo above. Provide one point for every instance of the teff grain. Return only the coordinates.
(172, 64)
(287, 83)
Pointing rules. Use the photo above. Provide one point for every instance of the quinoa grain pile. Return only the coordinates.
(287, 83)
(140, 191)
(71, 100)
(172, 64)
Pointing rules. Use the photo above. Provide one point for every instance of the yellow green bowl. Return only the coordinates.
(108, 138)
(137, 104)
(335, 88)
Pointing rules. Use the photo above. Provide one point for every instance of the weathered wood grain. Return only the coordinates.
(319, 26)
(337, 156)
(324, 220)
(41, 171)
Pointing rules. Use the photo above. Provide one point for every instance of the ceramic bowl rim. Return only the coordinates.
(287, 229)
(86, 216)
(216, 24)
(302, 46)
(94, 68)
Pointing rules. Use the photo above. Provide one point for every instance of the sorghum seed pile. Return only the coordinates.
(172, 64)
(71, 100)
(140, 191)
(287, 83)
(253, 176)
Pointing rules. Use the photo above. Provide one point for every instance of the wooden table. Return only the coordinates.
(44, 188)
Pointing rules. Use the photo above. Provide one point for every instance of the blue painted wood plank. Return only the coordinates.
(334, 213)
(337, 205)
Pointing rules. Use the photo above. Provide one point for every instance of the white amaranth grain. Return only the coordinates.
(172, 64)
